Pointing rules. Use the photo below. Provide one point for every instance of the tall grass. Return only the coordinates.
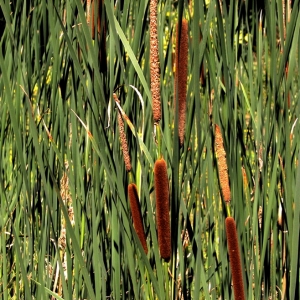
(66, 230)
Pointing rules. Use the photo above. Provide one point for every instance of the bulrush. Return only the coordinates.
(137, 215)
(91, 15)
(123, 139)
(161, 185)
(235, 260)
(101, 35)
(154, 63)
(222, 164)
(181, 68)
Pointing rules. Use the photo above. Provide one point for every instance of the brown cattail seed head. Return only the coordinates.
(154, 63)
(181, 68)
(101, 27)
(222, 164)
(91, 5)
(161, 184)
(235, 260)
(137, 215)
(123, 139)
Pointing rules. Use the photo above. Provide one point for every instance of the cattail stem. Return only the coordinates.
(235, 260)
(222, 165)
(154, 63)
(161, 184)
(286, 75)
(181, 68)
(88, 11)
(137, 214)
(123, 139)
(158, 140)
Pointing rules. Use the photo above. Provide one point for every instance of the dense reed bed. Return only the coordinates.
(67, 229)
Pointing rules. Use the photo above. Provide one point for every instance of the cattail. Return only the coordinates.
(161, 185)
(91, 15)
(154, 63)
(91, 6)
(245, 179)
(137, 215)
(123, 139)
(181, 68)
(222, 164)
(235, 260)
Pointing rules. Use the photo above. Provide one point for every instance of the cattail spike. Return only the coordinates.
(91, 4)
(222, 164)
(154, 63)
(137, 215)
(161, 184)
(181, 68)
(123, 139)
(235, 260)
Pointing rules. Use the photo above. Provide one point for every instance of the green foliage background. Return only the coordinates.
(65, 226)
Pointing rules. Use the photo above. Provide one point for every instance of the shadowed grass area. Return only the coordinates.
(66, 229)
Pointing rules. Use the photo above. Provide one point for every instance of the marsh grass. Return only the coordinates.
(59, 135)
